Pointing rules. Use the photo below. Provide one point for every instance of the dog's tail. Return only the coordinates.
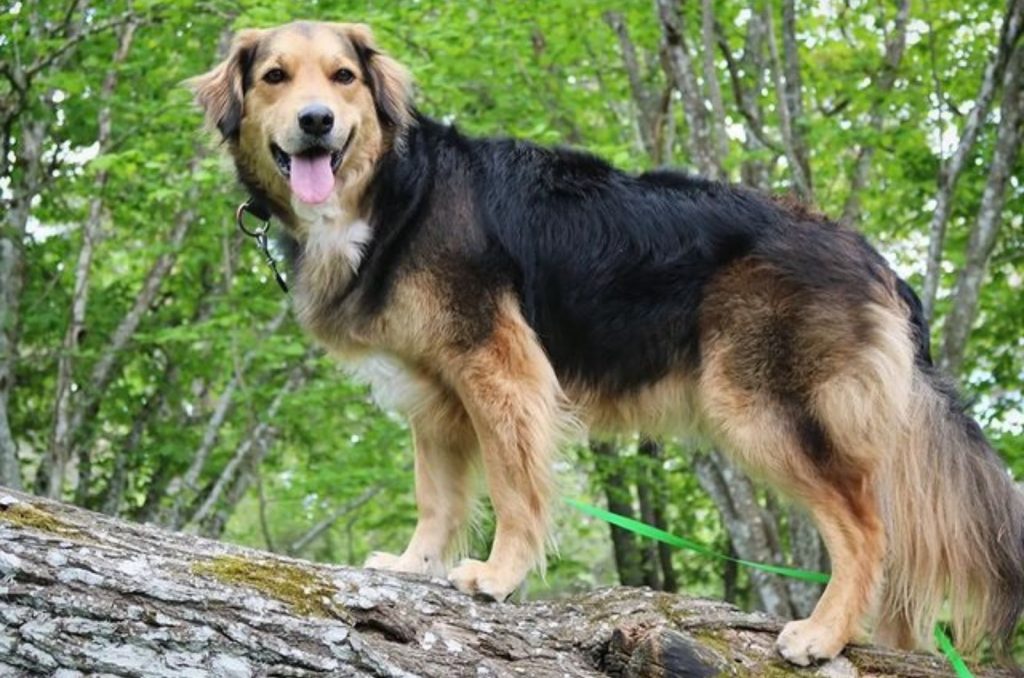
(955, 523)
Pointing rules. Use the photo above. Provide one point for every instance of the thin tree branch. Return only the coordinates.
(895, 46)
(252, 448)
(753, 171)
(711, 83)
(127, 450)
(268, 540)
(50, 58)
(60, 442)
(315, 532)
(104, 370)
(644, 100)
(182, 488)
(788, 88)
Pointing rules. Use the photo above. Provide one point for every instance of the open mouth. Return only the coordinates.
(310, 172)
(313, 154)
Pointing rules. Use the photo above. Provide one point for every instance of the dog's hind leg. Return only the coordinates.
(513, 398)
(771, 440)
(852, 530)
(445, 448)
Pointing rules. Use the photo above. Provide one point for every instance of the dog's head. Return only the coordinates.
(306, 108)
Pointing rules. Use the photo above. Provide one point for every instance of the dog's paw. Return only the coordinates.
(378, 560)
(479, 578)
(805, 642)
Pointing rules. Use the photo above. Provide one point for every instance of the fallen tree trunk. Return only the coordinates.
(83, 593)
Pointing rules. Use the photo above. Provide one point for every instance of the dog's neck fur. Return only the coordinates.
(331, 234)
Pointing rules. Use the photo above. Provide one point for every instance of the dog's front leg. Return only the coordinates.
(445, 445)
(512, 396)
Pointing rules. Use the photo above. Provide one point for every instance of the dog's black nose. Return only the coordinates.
(316, 119)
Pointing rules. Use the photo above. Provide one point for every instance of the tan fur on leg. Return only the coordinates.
(513, 399)
(445, 450)
(853, 534)
(754, 429)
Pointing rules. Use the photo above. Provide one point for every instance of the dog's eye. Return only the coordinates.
(344, 76)
(274, 76)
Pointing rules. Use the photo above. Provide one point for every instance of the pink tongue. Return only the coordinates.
(312, 178)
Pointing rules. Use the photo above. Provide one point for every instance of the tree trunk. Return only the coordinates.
(648, 114)
(24, 168)
(789, 93)
(751, 528)
(619, 500)
(653, 454)
(808, 553)
(1009, 34)
(990, 214)
(712, 85)
(700, 143)
(85, 593)
(754, 170)
(12, 273)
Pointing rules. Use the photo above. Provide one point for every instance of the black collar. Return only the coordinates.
(258, 206)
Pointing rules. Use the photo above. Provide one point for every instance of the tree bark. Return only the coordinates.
(619, 500)
(1009, 34)
(754, 170)
(653, 453)
(720, 145)
(789, 93)
(681, 72)
(808, 553)
(649, 550)
(983, 237)
(751, 528)
(12, 273)
(84, 593)
(645, 100)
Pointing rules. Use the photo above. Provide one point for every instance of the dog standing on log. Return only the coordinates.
(497, 290)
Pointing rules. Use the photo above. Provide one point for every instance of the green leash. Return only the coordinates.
(645, 530)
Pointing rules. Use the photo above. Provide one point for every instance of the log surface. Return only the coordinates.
(85, 594)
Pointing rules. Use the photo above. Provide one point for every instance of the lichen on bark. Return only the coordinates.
(25, 514)
(305, 592)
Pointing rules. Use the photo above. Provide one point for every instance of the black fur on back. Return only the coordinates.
(596, 256)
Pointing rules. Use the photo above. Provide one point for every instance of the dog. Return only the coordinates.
(498, 290)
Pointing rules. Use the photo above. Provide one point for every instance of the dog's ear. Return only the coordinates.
(220, 92)
(389, 80)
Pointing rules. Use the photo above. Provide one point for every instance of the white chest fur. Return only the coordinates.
(334, 237)
(393, 386)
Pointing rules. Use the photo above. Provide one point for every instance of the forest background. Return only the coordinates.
(150, 370)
